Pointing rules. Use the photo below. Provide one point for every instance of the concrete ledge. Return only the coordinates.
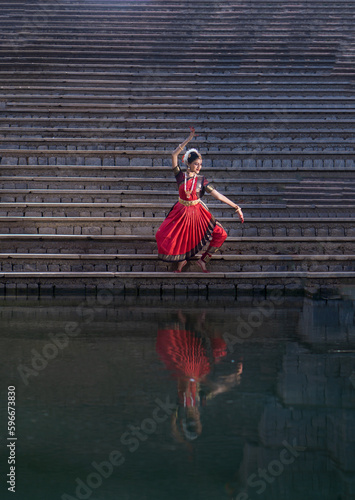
(265, 221)
(226, 257)
(129, 237)
(36, 262)
(193, 284)
(191, 276)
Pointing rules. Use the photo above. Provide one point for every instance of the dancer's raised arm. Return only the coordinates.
(229, 202)
(177, 151)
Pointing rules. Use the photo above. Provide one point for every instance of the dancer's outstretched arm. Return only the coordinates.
(229, 202)
(175, 154)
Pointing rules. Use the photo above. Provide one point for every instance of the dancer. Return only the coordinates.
(189, 225)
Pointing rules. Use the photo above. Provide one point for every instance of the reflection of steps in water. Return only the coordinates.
(320, 380)
(327, 322)
(348, 292)
(314, 416)
(319, 398)
(132, 313)
(313, 406)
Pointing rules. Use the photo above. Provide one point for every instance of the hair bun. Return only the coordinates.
(190, 156)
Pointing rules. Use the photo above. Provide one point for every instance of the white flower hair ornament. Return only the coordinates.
(187, 155)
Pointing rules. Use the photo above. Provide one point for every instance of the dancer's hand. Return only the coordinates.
(192, 132)
(183, 144)
(240, 213)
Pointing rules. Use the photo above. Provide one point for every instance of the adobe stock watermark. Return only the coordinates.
(259, 480)
(131, 439)
(40, 358)
(246, 327)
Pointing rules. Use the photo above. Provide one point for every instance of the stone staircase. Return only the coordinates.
(94, 96)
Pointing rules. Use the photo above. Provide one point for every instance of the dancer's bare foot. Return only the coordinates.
(202, 265)
(181, 265)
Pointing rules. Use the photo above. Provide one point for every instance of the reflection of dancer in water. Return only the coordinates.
(189, 225)
(191, 357)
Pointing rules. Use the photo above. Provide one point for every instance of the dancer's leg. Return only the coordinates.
(180, 266)
(218, 237)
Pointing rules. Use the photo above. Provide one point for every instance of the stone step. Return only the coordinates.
(167, 22)
(306, 177)
(219, 29)
(15, 262)
(155, 186)
(155, 73)
(211, 28)
(282, 123)
(169, 26)
(298, 59)
(111, 244)
(295, 6)
(310, 67)
(196, 115)
(109, 209)
(234, 49)
(162, 184)
(252, 136)
(232, 52)
(111, 89)
(65, 21)
(104, 8)
(106, 81)
(196, 105)
(125, 208)
(173, 10)
(101, 6)
(346, 195)
(141, 172)
(165, 186)
(263, 99)
(161, 202)
(115, 225)
(108, 200)
(336, 158)
(264, 141)
(346, 202)
(68, 16)
(169, 283)
(226, 48)
(305, 185)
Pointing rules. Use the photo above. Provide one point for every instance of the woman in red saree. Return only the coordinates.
(189, 225)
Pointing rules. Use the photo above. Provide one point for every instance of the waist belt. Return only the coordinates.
(188, 203)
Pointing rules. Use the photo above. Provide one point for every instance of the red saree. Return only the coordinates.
(189, 224)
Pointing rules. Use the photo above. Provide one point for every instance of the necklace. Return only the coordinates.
(188, 192)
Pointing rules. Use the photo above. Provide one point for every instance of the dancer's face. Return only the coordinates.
(195, 166)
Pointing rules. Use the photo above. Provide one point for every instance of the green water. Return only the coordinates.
(146, 399)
